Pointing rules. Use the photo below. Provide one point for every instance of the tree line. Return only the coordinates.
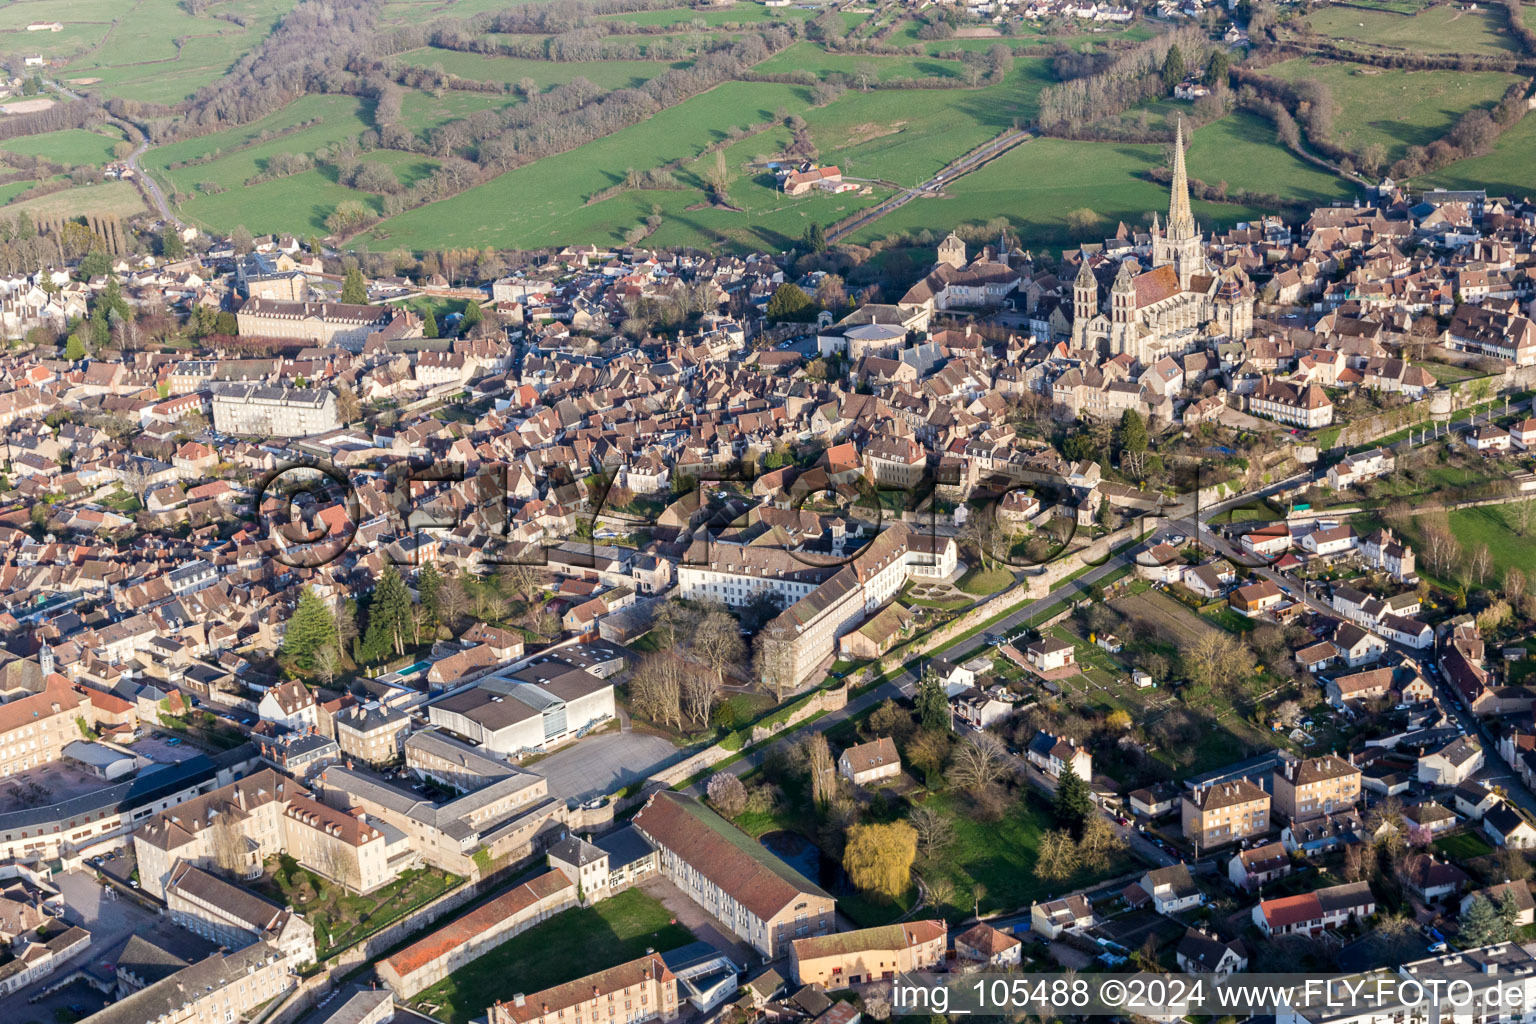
(1115, 84)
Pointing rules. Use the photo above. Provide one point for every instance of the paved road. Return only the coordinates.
(960, 167)
(153, 190)
(156, 196)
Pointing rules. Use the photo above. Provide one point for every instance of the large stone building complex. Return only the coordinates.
(324, 323)
(869, 954)
(35, 729)
(234, 917)
(804, 636)
(271, 411)
(757, 896)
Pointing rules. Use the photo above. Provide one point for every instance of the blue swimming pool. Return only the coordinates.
(420, 666)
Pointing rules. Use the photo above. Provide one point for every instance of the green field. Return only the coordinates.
(150, 50)
(119, 198)
(736, 14)
(1506, 171)
(420, 111)
(77, 146)
(609, 74)
(1493, 526)
(809, 56)
(1446, 28)
(1397, 109)
(567, 946)
(900, 135)
(1001, 856)
(1241, 150)
(1037, 184)
(297, 204)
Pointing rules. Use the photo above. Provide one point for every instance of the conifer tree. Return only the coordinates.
(1074, 801)
(311, 627)
(389, 617)
(354, 289)
(429, 587)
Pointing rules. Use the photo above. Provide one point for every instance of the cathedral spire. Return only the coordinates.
(1181, 222)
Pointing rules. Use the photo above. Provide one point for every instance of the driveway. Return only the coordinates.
(699, 921)
(598, 765)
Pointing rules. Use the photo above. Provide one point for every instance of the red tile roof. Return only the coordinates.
(456, 933)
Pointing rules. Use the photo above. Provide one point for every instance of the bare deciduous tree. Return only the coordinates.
(773, 659)
(1057, 856)
(231, 852)
(656, 688)
(820, 767)
(979, 761)
(935, 831)
(717, 641)
(1480, 564)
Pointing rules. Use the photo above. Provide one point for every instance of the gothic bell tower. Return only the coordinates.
(1085, 303)
(1179, 245)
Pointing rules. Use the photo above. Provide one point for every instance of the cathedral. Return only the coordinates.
(1172, 308)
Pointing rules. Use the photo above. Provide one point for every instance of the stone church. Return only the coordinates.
(1172, 308)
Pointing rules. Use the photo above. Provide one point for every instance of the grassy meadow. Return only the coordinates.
(1444, 28)
(1397, 109)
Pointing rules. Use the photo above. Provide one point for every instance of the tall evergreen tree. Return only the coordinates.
(815, 238)
(1509, 912)
(429, 587)
(389, 617)
(310, 627)
(932, 705)
(1480, 924)
(354, 289)
(1218, 69)
(171, 245)
(1173, 68)
(473, 314)
(429, 327)
(1074, 801)
(789, 302)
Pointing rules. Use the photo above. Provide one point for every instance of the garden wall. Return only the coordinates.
(370, 947)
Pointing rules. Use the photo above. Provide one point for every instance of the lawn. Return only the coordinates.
(340, 917)
(981, 581)
(1001, 856)
(1397, 109)
(1446, 373)
(1463, 846)
(1492, 526)
(1446, 28)
(569, 945)
(75, 146)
